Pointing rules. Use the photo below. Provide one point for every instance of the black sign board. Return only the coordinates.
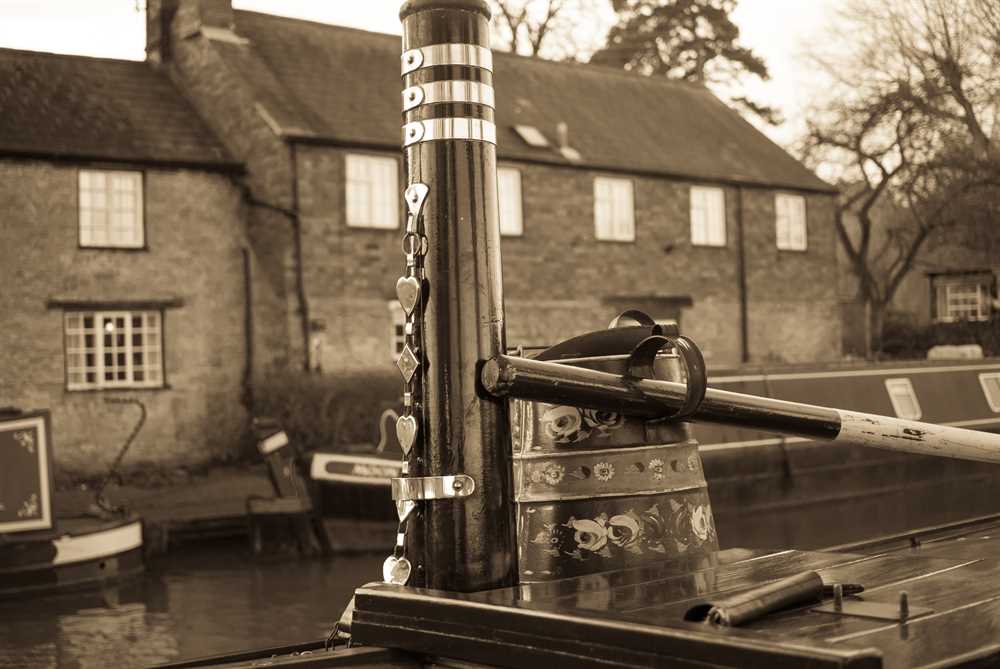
(25, 472)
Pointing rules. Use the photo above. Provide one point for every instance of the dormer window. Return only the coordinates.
(531, 136)
(110, 204)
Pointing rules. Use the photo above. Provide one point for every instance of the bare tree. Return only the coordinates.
(909, 123)
(555, 29)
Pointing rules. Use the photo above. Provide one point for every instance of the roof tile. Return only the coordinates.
(99, 109)
(344, 85)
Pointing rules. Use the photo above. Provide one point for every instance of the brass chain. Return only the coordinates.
(410, 291)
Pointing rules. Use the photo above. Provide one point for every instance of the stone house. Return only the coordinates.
(617, 191)
(122, 255)
(172, 230)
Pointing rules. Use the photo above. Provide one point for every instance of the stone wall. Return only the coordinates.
(193, 261)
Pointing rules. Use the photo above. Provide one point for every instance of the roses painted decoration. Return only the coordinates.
(667, 527)
(552, 474)
(26, 439)
(606, 472)
(569, 425)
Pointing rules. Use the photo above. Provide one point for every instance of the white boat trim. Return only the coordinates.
(96, 545)
(832, 374)
(317, 469)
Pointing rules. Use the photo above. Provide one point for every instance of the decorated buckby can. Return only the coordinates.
(597, 490)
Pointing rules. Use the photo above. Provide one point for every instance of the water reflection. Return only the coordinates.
(202, 601)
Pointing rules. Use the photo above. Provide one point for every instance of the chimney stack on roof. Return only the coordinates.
(167, 20)
(567, 151)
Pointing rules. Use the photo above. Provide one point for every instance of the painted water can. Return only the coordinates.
(597, 491)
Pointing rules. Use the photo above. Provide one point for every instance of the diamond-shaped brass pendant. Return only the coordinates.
(407, 363)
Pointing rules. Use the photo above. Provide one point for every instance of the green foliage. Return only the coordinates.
(328, 411)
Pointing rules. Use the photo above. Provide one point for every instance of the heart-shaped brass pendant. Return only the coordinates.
(406, 432)
(396, 570)
(408, 292)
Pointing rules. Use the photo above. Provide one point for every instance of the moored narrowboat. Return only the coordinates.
(44, 549)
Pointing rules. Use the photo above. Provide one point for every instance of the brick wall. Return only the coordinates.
(560, 281)
(794, 313)
(194, 233)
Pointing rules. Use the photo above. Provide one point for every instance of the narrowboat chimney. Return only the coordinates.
(455, 503)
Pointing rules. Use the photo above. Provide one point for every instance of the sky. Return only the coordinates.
(777, 30)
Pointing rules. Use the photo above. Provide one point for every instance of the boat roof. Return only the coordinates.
(636, 617)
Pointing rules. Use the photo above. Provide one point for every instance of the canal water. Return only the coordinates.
(201, 600)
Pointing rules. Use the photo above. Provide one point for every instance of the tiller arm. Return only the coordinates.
(557, 383)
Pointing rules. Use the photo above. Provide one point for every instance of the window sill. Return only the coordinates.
(120, 389)
(615, 241)
(128, 249)
(791, 250)
(942, 321)
(373, 228)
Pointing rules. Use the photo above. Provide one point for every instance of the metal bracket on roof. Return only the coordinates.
(876, 610)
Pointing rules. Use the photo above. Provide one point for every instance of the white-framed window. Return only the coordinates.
(111, 212)
(790, 222)
(397, 331)
(990, 381)
(708, 216)
(962, 300)
(113, 349)
(904, 398)
(614, 209)
(372, 192)
(509, 191)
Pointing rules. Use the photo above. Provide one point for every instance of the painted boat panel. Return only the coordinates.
(25, 473)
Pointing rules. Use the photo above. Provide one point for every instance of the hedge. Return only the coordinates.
(904, 339)
(330, 412)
